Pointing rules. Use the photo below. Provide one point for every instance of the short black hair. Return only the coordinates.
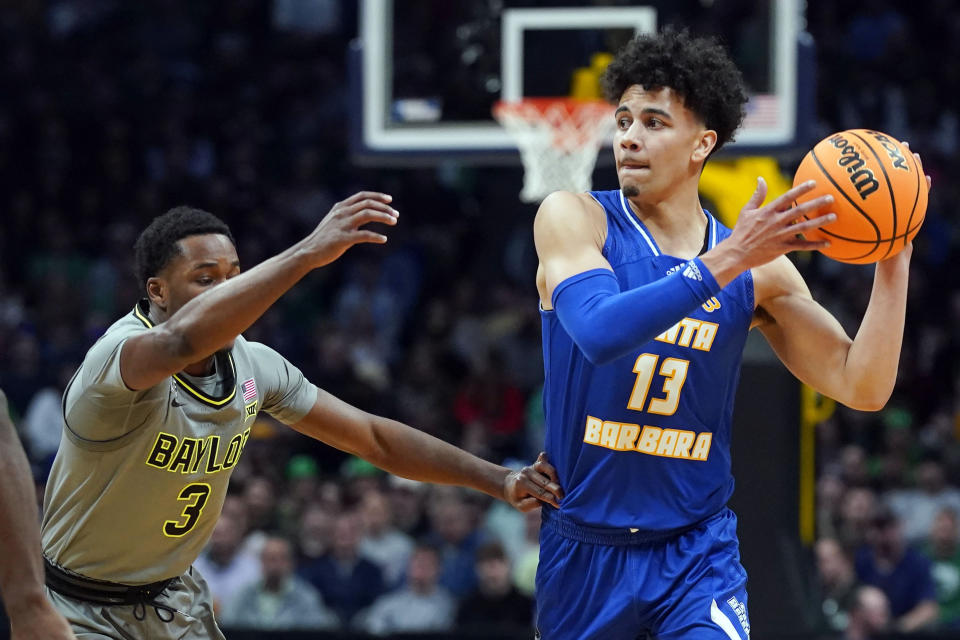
(157, 245)
(492, 550)
(698, 69)
(428, 545)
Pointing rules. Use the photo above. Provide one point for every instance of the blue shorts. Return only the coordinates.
(690, 586)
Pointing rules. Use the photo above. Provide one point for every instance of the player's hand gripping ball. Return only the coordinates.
(879, 192)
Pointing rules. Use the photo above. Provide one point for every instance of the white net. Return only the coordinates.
(558, 139)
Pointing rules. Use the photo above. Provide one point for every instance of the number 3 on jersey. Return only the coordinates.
(195, 495)
(674, 371)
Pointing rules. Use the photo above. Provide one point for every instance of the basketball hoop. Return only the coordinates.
(558, 139)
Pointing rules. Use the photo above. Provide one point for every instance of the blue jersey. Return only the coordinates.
(644, 441)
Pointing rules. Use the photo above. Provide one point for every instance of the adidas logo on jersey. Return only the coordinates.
(692, 271)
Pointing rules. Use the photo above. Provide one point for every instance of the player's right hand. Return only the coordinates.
(342, 227)
(767, 231)
(42, 622)
(537, 483)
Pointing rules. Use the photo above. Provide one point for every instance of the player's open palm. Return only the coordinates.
(343, 226)
(766, 231)
(537, 483)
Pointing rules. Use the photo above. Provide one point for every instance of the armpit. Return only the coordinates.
(761, 317)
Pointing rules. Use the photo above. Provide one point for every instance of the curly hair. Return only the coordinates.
(157, 245)
(698, 69)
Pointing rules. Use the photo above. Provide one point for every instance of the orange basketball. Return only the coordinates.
(879, 193)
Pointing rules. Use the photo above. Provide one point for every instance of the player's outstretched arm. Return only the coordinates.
(409, 453)
(21, 571)
(607, 323)
(211, 320)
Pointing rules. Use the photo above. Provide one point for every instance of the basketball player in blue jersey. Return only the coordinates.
(646, 301)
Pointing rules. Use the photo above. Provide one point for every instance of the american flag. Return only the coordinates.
(763, 112)
(249, 390)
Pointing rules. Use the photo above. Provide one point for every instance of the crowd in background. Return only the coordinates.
(114, 112)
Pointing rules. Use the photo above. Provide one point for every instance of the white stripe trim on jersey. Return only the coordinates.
(627, 212)
(722, 621)
(713, 231)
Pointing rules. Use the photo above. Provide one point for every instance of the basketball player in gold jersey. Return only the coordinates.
(160, 411)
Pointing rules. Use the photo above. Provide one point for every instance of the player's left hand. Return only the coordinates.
(902, 258)
(527, 488)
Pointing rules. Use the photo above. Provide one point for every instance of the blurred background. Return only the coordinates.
(114, 112)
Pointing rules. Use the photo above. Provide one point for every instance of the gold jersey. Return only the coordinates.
(140, 477)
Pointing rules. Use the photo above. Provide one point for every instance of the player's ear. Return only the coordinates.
(705, 144)
(158, 292)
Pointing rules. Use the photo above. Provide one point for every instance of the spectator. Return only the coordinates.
(314, 533)
(262, 506)
(869, 614)
(22, 366)
(525, 567)
(858, 506)
(302, 482)
(943, 549)
(382, 543)
(830, 490)
(496, 606)
(235, 507)
(422, 606)
(260, 495)
(902, 573)
(454, 533)
(407, 499)
(854, 467)
(364, 300)
(506, 526)
(226, 564)
(918, 507)
(42, 424)
(347, 581)
(837, 581)
(279, 600)
(491, 409)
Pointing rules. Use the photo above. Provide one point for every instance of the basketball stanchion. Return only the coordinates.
(558, 139)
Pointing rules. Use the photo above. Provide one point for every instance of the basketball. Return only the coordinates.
(879, 192)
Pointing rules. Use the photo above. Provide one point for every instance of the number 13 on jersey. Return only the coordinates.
(674, 372)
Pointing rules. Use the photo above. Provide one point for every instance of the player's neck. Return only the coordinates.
(199, 369)
(677, 222)
(203, 368)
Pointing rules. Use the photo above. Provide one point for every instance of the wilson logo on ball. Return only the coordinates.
(862, 179)
(899, 161)
(879, 194)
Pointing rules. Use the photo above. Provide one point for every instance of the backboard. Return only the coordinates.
(425, 74)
